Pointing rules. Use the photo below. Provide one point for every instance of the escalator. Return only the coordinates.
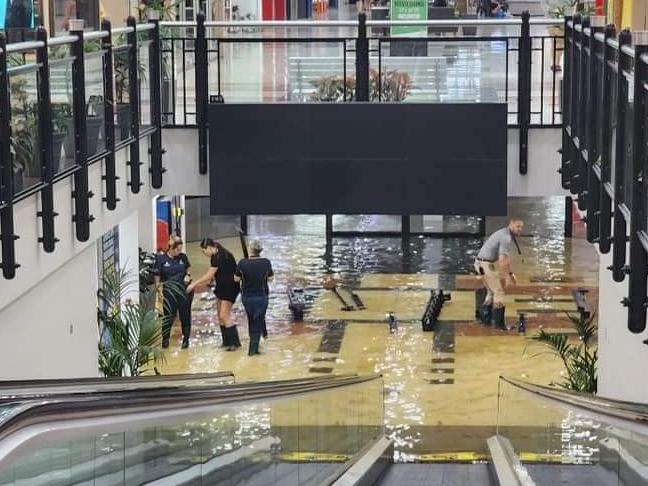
(207, 429)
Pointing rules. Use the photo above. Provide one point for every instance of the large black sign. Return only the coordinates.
(358, 158)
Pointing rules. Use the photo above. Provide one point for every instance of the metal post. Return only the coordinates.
(637, 283)
(202, 89)
(362, 60)
(574, 79)
(328, 252)
(7, 236)
(156, 104)
(583, 121)
(244, 224)
(133, 97)
(605, 218)
(81, 194)
(566, 151)
(594, 81)
(524, 91)
(569, 216)
(620, 230)
(45, 132)
(110, 176)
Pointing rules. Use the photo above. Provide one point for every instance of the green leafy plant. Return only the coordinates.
(130, 332)
(61, 116)
(121, 73)
(391, 85)
(561, 8)
(580, 358)
(167, 9)
(24, 130)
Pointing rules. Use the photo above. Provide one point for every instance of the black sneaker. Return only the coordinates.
(185, 343)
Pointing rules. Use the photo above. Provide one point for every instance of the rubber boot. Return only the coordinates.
(498, 318)
(234, 335)
(254, 344)
(486, 314)
(224, 336)
(231, 338)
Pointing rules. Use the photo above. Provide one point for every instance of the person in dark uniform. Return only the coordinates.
(254, 273)
(221, 270)
(172, 278)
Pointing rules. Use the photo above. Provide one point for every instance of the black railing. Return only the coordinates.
(58, 101)
(69, 102)
(604, 147)
(524, 61)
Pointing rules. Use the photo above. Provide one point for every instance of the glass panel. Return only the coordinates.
(61, 91)
(563, 446)
(297, 440)
(94, 86)
(123, 112)
(144, 74)
(23, 88)
(440, 71)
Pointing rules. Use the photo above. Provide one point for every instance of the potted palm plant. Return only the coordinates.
(129, 332)
(580, 357)
(389, 86)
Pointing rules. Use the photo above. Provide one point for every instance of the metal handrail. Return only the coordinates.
(370, 23)
(26, 388)
(122, 30)
(636, 413)
(26, 413)
(62, 40)
(18, 47)
(629, 50)
(95, 35)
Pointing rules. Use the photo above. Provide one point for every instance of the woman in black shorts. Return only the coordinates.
(222, 268)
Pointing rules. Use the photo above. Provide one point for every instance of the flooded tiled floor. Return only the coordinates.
(435, 382)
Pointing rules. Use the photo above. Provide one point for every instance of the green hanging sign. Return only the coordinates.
(408, 10)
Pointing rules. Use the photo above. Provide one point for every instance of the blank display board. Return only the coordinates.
(358, 158)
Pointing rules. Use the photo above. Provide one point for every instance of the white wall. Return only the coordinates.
(542, 178)
(623, 358)
(52, 291)
(129, 250)
(50, 332)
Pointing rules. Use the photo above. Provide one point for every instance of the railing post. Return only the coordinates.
(605, 218)
(133, 96)
(524, 91)
(569, 216)
(620, 230)
(156, 103)
(574, 80)
(7, 236)
(362, 60)
(583, 121)
(110, 176)
(202, 89)
(594, 81)
(45, 132)
(81, 194)
(637, 284)
(566, 151)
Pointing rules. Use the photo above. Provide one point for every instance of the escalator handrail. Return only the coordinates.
(14, 384)
(28, 413)
(618, 409)
(10, 390)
